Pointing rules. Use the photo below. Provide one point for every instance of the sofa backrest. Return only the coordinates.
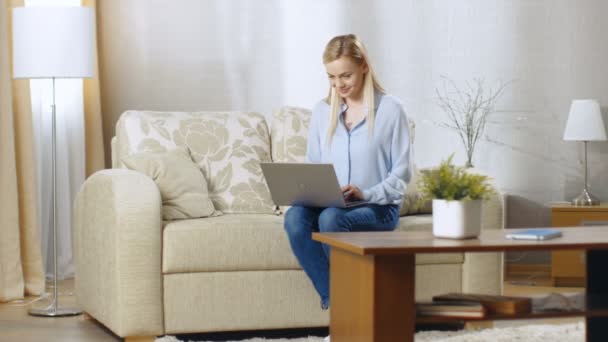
(288, 134)
(227, 146)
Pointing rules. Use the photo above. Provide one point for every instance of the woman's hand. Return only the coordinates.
(352, 192)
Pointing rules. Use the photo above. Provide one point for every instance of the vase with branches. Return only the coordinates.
(468, 108)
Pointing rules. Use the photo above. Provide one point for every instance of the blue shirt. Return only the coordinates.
(378, 165)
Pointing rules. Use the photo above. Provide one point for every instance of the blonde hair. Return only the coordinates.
(351, 46)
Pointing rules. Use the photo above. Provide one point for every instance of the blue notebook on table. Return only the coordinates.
(534, 234)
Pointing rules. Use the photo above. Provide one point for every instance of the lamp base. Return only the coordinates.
(55, 312)
(585, 199)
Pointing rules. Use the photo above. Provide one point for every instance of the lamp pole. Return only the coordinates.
(585, 198)
(53, 310)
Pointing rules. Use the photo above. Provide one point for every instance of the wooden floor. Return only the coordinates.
(17, 325)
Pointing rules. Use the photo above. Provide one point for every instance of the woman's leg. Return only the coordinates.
(370, 217)
(367, 217)
(299, 224)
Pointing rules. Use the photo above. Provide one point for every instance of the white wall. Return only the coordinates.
(259, 55)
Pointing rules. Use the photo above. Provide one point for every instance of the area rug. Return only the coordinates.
(574, 332)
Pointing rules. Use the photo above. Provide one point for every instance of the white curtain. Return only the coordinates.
(70, 157)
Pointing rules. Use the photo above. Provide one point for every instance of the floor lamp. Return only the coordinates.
(53, 42)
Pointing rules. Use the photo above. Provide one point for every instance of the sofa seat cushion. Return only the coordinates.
(232, 242)
(412, 223)
(425, 223)
(248, 242)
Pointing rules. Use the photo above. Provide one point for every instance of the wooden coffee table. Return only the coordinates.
(373, 275)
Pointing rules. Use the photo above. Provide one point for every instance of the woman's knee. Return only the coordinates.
(332, 220)
(296, 221)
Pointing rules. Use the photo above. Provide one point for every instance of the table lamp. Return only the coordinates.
(53, 42)
(585, 124)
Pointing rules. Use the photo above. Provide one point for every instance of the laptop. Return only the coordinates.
(310, 185)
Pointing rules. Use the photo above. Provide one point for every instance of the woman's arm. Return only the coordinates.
(392, 188)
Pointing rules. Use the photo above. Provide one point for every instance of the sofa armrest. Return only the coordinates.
(483, 272)
(114, 148)
(117, 249)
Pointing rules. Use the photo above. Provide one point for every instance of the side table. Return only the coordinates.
(568, 267)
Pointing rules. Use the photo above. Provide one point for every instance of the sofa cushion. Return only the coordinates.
(227, 146)
(288, 134)
(246, 242)
(416, 223)
(234, 242)
(182, 186)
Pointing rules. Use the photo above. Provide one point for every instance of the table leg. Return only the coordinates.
(597, 294)
(372, 297)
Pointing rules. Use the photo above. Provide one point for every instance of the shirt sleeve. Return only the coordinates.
(392, 188)
(313, 143)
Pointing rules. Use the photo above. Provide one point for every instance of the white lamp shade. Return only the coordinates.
(585, 121)
(54, 42)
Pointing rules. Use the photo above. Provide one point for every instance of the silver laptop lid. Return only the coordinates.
(311, 185)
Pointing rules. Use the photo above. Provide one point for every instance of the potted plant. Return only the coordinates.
(457, 196)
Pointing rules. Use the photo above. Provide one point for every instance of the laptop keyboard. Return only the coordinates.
(354, 203)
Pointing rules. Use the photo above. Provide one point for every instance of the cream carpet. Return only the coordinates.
(574, 332)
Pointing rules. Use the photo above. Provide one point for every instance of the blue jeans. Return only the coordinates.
(301, 222)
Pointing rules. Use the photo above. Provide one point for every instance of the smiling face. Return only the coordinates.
(347, 77)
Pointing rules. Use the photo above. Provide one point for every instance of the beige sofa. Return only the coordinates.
(140, 276)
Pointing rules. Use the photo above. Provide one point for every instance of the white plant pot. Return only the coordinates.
(456, 219)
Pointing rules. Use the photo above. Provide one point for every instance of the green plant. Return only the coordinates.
(450, 182)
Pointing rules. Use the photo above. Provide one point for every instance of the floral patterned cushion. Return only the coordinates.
(288, 135)
(289, 132)
(227, 146)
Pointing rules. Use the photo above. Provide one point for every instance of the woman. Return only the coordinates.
(364, 133)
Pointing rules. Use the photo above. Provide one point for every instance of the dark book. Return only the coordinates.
(502, 305)
(451, 309)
